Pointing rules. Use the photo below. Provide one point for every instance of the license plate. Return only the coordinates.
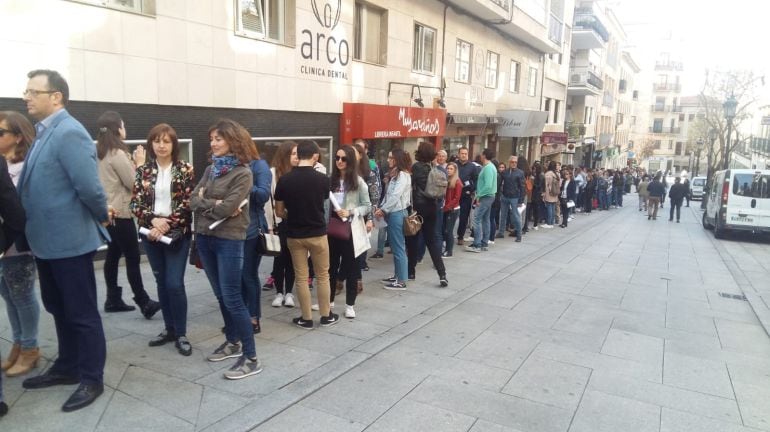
(741, 219)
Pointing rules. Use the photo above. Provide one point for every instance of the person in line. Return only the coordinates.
(117, 172)
(468, 172)
(425, 206)
(372, 179)
(618, 186)
(441, 164)
(162, 188)
(352, 195)
(397, 198)
(676, 196)
(538, 187)
(11, 219)
(300, 198)
(451, 209)
(284, 160)
(602, 190)
(655, 189)
(17, 269)
(551, 191)
(641, 190)
(64, 245)
(218, 196)
(529, 185)
(590, 189)
(514, 190)
(485, 195)
(259, 196)
(567, 193)
(494, 211)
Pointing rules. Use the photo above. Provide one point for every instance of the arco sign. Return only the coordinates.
(328, 55)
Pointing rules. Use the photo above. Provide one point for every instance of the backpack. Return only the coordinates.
(437, 183)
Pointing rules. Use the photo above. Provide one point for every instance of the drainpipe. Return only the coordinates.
(542, 95)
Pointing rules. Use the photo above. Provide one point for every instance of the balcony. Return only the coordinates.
(555, 30)
(667, 87)
(668, 66)
(584, 82)
(608, 100)
(588, 32)
(665, 130)
(666, 108)
(576, 131)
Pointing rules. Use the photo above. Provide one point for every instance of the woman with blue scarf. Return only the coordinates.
(225, 185)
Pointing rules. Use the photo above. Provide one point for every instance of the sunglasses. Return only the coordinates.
(341, 158)
(5, 131)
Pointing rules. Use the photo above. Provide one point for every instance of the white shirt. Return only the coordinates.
(564, 190)
(162, 205)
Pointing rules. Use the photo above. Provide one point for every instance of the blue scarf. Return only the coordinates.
(223, 165)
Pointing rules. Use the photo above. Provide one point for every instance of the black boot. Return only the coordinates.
(115, 302)
(148, 307)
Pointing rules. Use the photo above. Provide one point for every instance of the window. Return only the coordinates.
(679, 148)
(532, 83)
(515, 74)
(146, 7)
(262, 19)
(556, 104)
(589, 115)
(681, 117)
(751, 185)
(547, 107)
(463, 61)
(670, 144)
(424, 48)
(657, 125)
(657, 144)
(493, 62)
(371, 34)
(691, 117)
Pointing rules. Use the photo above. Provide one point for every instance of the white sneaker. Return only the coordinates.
(537, 228)
(315, 307)
(570, 219)
(278, 301)
(349, 312)
(490, 242)
(288, 301)
(546, 226)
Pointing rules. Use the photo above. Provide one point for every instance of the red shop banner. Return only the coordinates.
(369, 121)
(554, 138)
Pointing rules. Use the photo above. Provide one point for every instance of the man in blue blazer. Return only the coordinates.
(66, 209)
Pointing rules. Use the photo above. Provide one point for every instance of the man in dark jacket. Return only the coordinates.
(676, 194)
(469, 173)
(655, 190)
(513, 189)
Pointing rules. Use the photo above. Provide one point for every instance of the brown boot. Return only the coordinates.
(12, 357)
(27, 361)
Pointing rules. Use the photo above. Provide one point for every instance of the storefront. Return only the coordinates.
(467, 130)
(386, 127)
(518, 132)
(553, 145)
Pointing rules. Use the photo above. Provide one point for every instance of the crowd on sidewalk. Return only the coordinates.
(62, 197)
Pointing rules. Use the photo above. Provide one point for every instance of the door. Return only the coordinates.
(749, 202)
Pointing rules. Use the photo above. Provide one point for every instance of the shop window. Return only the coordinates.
(493, 62)
(424, 49)
(532, 82)
(264, 19)
(144, 7)
(463, 61)
(515, 76)
(371, 34)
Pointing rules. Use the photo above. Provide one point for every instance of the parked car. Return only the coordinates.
(738, 201)
(696, 187)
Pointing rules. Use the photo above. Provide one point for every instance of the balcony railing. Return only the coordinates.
(661, 87)
(668, 66)
(583, 76)
(666, 108)
(555, 30)
(588, 20)
(576, 130)
(665, 130)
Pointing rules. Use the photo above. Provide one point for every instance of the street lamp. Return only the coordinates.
(729, 107)
(712, 137)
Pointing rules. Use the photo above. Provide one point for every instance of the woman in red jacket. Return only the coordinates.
(454, 191)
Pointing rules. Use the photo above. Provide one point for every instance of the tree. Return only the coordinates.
(647, 148)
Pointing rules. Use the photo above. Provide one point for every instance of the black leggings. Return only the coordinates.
(428, 213)
(124, 243)
(343, 266)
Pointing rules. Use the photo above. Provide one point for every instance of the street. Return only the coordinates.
(614, 324)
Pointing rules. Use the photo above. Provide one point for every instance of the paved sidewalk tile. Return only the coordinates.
(601, 412)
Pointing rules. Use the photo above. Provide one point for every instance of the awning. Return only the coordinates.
(521, 123)
(588, 141)
(466, 119)
(370, 121)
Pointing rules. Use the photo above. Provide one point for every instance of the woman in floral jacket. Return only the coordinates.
(161, 204)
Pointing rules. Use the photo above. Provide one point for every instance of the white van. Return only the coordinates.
(696, 187)
(739, 200)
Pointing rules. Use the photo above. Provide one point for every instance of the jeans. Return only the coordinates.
(398, 243)
(124, 243)
(602, 197)
(509, 208)
(318, 247)
(168, 266)
(344, 266)
(450, 219)
(675, 205)
(619, 196)
(428, 213)
(223, 263)
(481, 221)
(465, 211)
(250, 277)
(17, 287)
(382, 234)
(536, 205)
(439, 231)
(549, 213)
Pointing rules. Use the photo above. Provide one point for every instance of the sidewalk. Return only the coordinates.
(614, 324)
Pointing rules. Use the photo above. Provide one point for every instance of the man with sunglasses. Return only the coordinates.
(66, 208)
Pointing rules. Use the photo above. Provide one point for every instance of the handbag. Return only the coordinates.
(412, 224)
(570, 204)
(195, 259)
(269, 244)
(338, 229)
(361, 241)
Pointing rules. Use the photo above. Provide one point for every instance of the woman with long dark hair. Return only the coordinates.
(161, 204)
(117, 174)
(218, 197)
(537, 204)
(567, 193)
(397, 198)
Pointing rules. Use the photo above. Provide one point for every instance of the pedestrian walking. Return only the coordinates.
(17, 269)
(398, 196)
(451, 209)
(485, 196)
(676, 195)
(162, 188)
(688, 195)
(641, 190)
(655, 189)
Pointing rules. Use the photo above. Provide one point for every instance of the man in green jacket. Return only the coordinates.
(486, 189)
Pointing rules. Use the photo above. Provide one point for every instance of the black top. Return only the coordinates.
(10, 209)
(469, 175)
(303, 191)
(677, 192)
(420, 172)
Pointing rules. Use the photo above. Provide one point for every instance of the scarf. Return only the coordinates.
(223, 165)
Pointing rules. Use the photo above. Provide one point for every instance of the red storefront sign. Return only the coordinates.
(553, 138)
(369, 121)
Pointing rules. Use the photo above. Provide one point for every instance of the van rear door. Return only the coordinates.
(749, 200)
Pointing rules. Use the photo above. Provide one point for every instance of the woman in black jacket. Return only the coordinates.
(568, 192)
(588, 199)
(426, 207)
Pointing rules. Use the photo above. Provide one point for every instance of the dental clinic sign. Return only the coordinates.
(325, 53)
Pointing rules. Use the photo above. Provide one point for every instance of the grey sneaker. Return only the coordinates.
(225, 351)
(243, 368)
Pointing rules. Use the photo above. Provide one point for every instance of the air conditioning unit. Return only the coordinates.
(570, 148)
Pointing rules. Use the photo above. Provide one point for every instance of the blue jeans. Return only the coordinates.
(601, 196)
(481, 221)
(509, 208)
(168, 265)
(440, 219)
(381, 236)
(17, 287)
(398, 243)
(550, 211)
(250, 278)
(223, 262)
(450, 219)
(619, 196)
